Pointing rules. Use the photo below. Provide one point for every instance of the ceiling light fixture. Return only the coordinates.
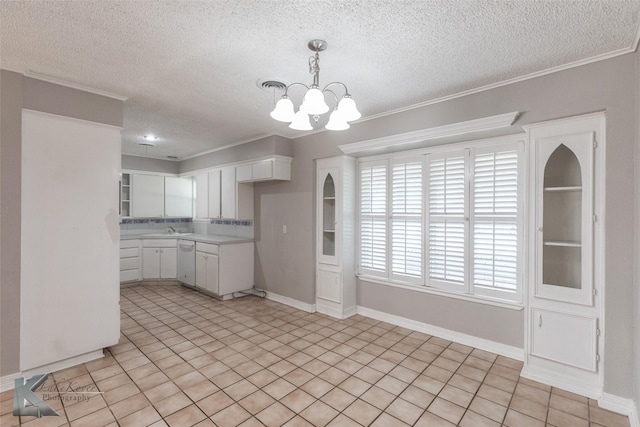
(313, 103)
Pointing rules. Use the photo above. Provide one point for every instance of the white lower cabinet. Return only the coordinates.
(159, 259)
(224, 269)
(207, 267)
(129, 260)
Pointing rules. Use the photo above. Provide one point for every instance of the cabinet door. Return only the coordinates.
(564, 338)
(565, 218)
(212, 273)
(214, 194)
(201, 270)
(168, 263)
(328, 220)
(228, 192)
(150, 263)
(202, 195)
(147, 196)
(178, 197)
(329, 285)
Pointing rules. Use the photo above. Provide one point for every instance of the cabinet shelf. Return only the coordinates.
(329, 230)
(563, 189)
(563, 243)
(329, 198)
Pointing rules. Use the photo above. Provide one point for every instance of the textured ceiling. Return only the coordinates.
(189, 68)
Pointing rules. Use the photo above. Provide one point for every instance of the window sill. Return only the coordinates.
(428, 290)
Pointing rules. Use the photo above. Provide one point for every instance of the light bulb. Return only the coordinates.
(347, 108)
(284, 110)
(301, 121)
(336, 121)
(314, 102)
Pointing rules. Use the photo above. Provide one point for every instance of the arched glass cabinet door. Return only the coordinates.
(565, 225)
(329, 217)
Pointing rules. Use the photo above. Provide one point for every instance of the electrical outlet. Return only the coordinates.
(284, 229)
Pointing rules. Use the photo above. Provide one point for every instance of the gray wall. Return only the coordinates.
(151, 165)
(606, 85)
(19, 92)
(259, 148)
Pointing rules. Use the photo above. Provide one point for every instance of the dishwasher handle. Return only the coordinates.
(187, 244)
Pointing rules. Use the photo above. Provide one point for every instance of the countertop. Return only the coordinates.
(206, 238)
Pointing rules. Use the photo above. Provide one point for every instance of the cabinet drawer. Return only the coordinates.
(129, 253)
(159, 243)
(207, 248)
(129, 275)
(129, 263)
(125, 244)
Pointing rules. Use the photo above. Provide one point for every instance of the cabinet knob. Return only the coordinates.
(540, 320)
(540, 229)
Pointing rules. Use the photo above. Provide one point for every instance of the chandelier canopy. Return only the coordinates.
(313, 103)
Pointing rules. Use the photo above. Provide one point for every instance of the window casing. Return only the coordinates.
(445, 219)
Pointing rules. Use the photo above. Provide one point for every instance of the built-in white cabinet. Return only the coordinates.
(564, 308)
(202, 195)
(147, 196)
(335, 250)
(207, 267)
(159, 259)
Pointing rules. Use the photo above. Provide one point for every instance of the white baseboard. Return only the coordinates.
(336, 312)
(310, 308)
(8, 382)
(621, 406)
(564, 382)
(470, 340)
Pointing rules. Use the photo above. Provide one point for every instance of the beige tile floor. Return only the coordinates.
(187, 359)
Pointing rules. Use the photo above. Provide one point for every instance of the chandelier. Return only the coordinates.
(314, 103)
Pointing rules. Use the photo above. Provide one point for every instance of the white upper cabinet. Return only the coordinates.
(147, 196)
(178, 197)
(214, 193)
(202, 195)
(157, 196)
(228, 192)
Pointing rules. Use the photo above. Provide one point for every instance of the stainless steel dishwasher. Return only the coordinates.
(187, 262)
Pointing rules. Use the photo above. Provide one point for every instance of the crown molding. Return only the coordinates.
(72, 85)
(453, 129)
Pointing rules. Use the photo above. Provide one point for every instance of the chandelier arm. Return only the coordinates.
(346, 91)
(325, 90)
(286, 90)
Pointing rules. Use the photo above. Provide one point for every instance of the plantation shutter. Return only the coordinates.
(495, 222)
(406, 223)
(447, 225)
(373, 218)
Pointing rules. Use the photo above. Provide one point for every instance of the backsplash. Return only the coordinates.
(224, 227)
(183, 225)
(219, 227)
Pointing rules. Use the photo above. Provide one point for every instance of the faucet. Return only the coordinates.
(171, 230)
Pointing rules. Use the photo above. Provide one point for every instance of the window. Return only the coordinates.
(448, 220)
